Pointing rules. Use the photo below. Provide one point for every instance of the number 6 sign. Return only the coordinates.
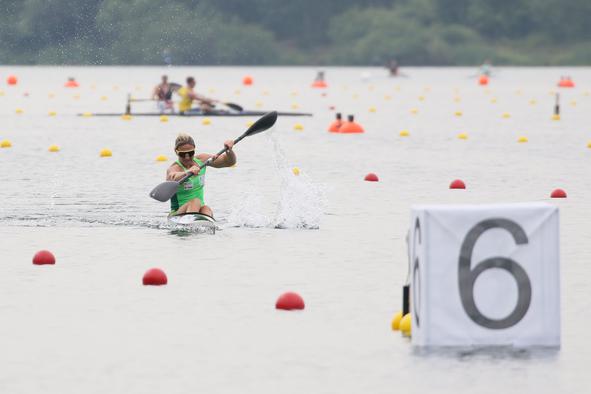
(485, 275)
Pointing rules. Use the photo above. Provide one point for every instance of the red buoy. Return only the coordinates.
(566, 82)
(155, 277)
(483, 80)
(371, 177)
(457, 184)
(71, 83)
(350, 127)
(247, 80)
(289, 301)
(43, 257)
(319, 84)
(336, 124)
(558, 193)
(11, 80)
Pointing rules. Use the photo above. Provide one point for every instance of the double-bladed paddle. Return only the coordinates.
(164, 191)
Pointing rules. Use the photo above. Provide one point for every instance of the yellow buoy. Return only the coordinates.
(87, 114)
(126, 117)
(463, 136)
(259, 104)
(396, 321)
(493, 100)
(104, 98)
(506, 115)
(54, 148)
(372, 109)
(589, 144)
(206, 121)
(19, 111)
(298, 127)
(249, 123)
(458, 113)
(405, 324)
(522, 139)
(414, 111)
(421, 98)
(5, 144)
(404, 133)
(161, 158)
(556, 117)
(163, 118)
(296, 171)
(51, 95)
(532, 102)
(52, 113)
(295, 106)
(106, 153)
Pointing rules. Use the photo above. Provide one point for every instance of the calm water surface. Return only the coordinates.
(87, 325)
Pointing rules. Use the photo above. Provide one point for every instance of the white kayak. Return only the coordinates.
(193, 220)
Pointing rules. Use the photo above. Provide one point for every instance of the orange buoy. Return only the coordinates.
(350, 127)
(289, 301)
(457, 184)
(371, 177)
(71, 83)
(154, 277)
(12, 80)
(566, 82)
(247, 80)
(336, 124)
(558, 193)
(319, 84)
(43, 257)
(483, 80)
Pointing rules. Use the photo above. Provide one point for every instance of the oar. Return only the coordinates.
(164, 191)
(233, 106)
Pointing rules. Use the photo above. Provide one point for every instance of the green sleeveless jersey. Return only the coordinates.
(190, 189)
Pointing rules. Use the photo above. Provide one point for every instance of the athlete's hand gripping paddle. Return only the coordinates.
(164, 191)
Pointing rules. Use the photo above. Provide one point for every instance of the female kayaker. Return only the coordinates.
(189, 196)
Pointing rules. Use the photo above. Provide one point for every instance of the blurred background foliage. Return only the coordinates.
(276, 32)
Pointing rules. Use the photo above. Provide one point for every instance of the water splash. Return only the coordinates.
(248, 212)
(301, 201)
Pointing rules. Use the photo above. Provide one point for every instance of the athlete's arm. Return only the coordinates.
(175, 173)
(227, 159)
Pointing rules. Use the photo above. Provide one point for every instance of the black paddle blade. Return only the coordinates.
(235, 107)
(164, 191)
(265, 122)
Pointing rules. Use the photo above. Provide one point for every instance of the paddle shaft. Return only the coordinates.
(210, 160)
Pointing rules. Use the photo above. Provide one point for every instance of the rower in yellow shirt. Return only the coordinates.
(188, 95)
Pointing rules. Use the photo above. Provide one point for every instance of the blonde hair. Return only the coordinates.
(182, 139)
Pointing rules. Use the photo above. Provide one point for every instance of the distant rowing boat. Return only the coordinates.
(198, 113)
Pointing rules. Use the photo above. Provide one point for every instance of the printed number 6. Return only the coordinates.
(416, 282)
(467, 276)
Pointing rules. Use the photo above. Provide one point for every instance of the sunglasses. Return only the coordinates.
(189, 153)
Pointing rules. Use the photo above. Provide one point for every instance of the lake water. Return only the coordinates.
(87, 325)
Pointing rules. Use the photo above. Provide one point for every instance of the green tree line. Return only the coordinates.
(341, 32)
